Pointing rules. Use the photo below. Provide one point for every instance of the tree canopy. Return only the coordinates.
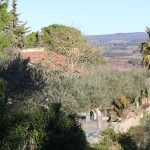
(67, 41)
(17, 28)
(5, 38)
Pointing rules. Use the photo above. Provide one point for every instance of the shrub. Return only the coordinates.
(126, 142)
(111, 134)
(40, 128)
(145, 122)
(3, 101)
(140, 137)
(63, 132)
(120, 104)
(22, 79)
(109, 141)
(101, 87)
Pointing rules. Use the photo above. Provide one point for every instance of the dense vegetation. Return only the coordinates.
(39, 107)
(67, 41)
(30, 118)
(136, 138)
(34, 114)
(12, 30)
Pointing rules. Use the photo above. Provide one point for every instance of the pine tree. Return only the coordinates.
(38, 39)
(18, 28)
(5, 17)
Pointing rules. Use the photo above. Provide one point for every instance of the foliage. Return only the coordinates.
(34, 40)
(40, 128)
(2, 98)
(145, 49)
(145, 122)
(24, 129)
(120, 104)
(106, 144)
(136, 133)
(113, 140)
(126, 142)
(101, 87)
(31, 40)
(37, 108)
(69, 41)
(62, 89)
(17, 28)
(109, 141)
(34, 125)
(136, 138)
(63, 132)
(22, 78)
(5, 38)
(111, 134)
(75, 93)
(12, 31)
(62, 39)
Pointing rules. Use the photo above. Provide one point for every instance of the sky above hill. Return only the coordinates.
(90, 16)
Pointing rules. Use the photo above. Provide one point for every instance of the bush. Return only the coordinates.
(126, 142)
(101, 87)
(40, 128)
(22, 79)
(3, 101)
(120, 104)
(109, 141)
(145, 122)
(140, 137)
(111, 134)
(24, 128)
(63, 132)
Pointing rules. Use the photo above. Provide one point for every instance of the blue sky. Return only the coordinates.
(90, 16)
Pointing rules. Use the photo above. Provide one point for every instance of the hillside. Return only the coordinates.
(52, 60)
(135, 37)
(122, 50)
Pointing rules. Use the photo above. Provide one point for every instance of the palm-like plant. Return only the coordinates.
(145, 50)
(148, 31)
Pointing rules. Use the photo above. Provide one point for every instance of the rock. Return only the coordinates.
(131, 115)
(94, 139)
(126, 124)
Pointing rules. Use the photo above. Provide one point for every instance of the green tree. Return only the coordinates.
(62, 38)
(63, 132)
(17, 28)
(70, 42)
(33, 40)
(5, 38)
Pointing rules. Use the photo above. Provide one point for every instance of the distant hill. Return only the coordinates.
(136, 37)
